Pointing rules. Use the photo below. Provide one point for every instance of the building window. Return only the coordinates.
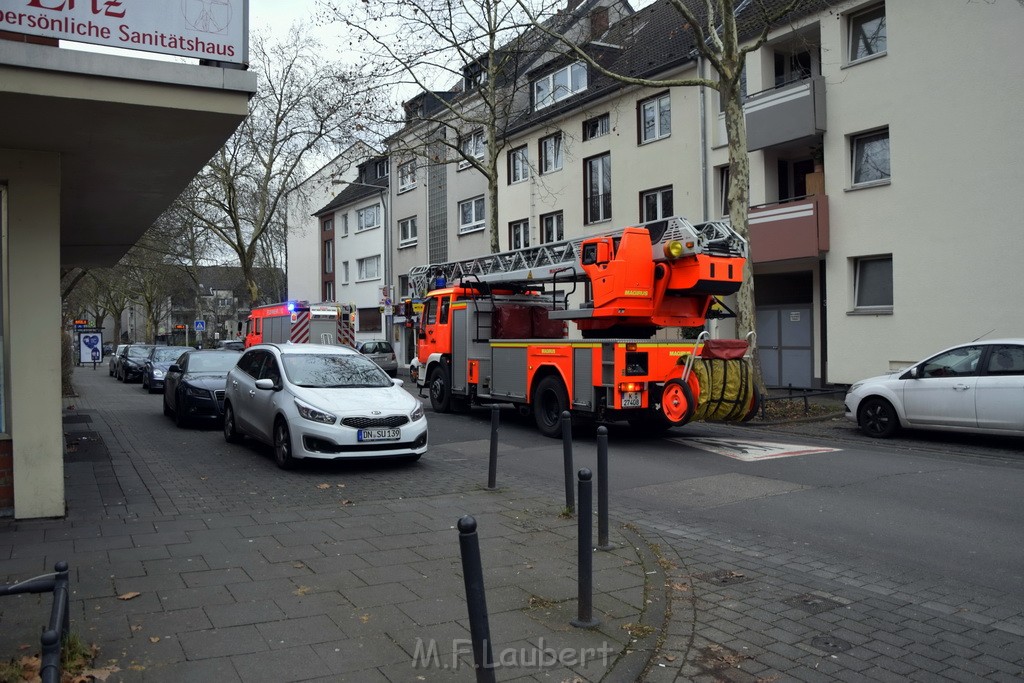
(344, 225)
(471, 215)
(873, 284)
(867, 33)
(407, 176)
(329, 256)
(368, 218)
(655, 204)
(329, 290)
(596, 127)
(407, 232)
(327, 225)
(557, 86)
(369, 268)
(870, 157)
(551, 227)
(382, 169)
(519, 234)
(723, 190)
(472, 145)
(344, 272)
(551, 153)
(597, 188)
(369, 319)
(655, 118)
(518, 165)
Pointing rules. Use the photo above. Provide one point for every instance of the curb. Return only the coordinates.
(655, 615)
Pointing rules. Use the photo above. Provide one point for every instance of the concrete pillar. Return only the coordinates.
(31, 260)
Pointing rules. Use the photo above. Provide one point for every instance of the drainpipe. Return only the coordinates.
(703, 139)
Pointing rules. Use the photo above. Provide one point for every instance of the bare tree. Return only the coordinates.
(723, 33)
(304, 106)
(468, 60)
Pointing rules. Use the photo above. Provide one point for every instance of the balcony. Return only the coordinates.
(793, 112)
(794, 229)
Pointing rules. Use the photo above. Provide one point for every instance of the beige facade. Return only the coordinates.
(93, 148)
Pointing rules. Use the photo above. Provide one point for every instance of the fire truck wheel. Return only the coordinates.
(755, 406)
(283, 445)
(231, 434)
(549, 401)
(440, 389)
(677, 403)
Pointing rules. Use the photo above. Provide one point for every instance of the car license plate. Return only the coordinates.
(631, 399)
(380, 434)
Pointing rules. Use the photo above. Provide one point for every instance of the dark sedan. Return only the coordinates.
(160, 359)
(194, 386)
(132, 362)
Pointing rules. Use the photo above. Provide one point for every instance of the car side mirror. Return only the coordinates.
(398, 382)
(912, 373)
(266, 384)
(174, 368)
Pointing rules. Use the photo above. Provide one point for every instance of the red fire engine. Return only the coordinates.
(300, 322)
(499, 333)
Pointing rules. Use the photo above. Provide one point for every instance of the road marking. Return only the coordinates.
(750, 451)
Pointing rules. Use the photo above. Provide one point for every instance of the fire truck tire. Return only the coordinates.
(677, 403)
(440, 389)
(231, 434)
(755, 406)
(283, 445)
(549, 401)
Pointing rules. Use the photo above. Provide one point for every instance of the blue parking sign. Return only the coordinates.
(200, 326)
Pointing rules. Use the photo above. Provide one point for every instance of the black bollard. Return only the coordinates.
(61, 609)
(473, 575)
(585, 563)
(602, 489)
(570, 503)
(492, 465)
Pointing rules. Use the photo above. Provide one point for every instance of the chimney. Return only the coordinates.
(598, 22)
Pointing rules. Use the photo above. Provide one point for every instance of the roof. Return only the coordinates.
(651, 42)
(358, 189)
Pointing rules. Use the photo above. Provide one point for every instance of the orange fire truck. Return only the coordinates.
(300, 322)
(493, 328)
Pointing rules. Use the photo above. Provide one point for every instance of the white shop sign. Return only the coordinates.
(203, 29)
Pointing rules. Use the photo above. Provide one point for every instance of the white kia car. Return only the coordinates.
(319, 401)
(976, 387)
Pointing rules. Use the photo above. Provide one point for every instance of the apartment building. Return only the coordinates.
(884, 173)
(354, 247)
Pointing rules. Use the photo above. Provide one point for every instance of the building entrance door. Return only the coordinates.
(785, 345)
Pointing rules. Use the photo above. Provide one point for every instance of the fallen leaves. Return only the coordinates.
(129, 596)
(302, 590)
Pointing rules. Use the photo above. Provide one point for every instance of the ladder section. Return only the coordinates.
(560, 261)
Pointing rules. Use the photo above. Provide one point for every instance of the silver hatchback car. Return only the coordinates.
(380, 352)
(322, 402)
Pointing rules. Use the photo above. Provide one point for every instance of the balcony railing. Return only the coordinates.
(790, 113)
(794, 229)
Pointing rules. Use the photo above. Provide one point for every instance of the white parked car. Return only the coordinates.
(321, 401)
(976, 387)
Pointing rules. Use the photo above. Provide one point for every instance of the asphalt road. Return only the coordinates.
(944, 504)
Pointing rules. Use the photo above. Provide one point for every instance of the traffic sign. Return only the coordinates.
(81, 323)
(200, 326)
(180, 327)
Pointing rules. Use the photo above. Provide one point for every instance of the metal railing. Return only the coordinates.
(60, 620)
